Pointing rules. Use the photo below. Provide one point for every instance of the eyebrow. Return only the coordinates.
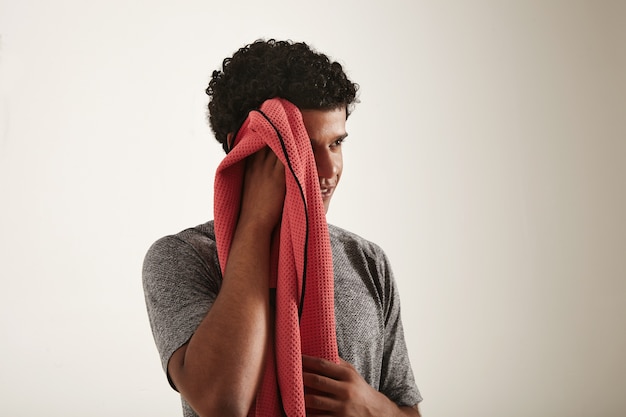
(340, 137)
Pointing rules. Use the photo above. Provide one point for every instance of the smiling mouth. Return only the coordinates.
(327, 192)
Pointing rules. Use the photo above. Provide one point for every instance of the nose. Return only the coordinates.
(328, 164)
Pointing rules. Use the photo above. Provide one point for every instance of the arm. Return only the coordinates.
(219, 369)
(339, 390)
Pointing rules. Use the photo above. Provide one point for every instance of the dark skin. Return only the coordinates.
(338, 390)
(220, 376)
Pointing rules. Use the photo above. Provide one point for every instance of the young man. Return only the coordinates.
(212, 329)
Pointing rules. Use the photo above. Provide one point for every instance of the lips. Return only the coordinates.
(327, 191)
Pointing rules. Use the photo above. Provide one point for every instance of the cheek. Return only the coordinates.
(339, 163)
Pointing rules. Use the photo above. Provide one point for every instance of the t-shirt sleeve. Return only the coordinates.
(397, 380)
(179, 288)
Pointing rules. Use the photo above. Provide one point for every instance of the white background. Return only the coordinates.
(487, 157)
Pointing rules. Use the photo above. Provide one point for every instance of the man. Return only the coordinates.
(212, 331)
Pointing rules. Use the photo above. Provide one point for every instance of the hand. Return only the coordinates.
(332, 389)
(263, 194)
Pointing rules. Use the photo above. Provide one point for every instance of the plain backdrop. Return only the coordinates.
(487, 157)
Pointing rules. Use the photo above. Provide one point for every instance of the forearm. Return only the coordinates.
(337, 389)
(223, 361)
(386, 407)
(410, 411)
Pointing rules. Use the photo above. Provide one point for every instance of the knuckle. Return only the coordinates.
(318, 401)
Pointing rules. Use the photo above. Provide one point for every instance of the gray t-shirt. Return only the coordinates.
(182, 277)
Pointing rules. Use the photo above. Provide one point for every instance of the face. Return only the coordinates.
(327, 130)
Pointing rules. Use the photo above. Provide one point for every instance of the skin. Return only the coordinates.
(220, 376)
(327, 131)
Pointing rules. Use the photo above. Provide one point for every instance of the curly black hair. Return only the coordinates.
(269, 68)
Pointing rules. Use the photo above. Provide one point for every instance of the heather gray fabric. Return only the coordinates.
(181, 278)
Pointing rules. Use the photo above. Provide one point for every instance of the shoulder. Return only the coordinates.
(361, 265)
(190, 250)
(194, 239)
(181, 278)
(343, 240)
(358, 261)
(181, 266)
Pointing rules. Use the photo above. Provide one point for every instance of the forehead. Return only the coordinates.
(325, 125)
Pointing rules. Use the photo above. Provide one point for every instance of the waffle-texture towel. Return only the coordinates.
(305, 319)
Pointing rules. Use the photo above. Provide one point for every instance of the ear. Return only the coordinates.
(229, 140)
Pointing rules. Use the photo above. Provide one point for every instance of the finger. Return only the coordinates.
(264, 164)
(345, 363)
(269, 159)
(320, 404)
(325, 367)
(320, 383)
(260, 157)
(266, 153)
(277, 163)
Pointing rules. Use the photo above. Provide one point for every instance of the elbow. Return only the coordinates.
(218, 400)
(224, 407)
(211, 400)
(210, 396)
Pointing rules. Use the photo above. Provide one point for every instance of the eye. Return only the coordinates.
(337, 143)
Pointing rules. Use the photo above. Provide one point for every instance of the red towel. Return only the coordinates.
(305, 316)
